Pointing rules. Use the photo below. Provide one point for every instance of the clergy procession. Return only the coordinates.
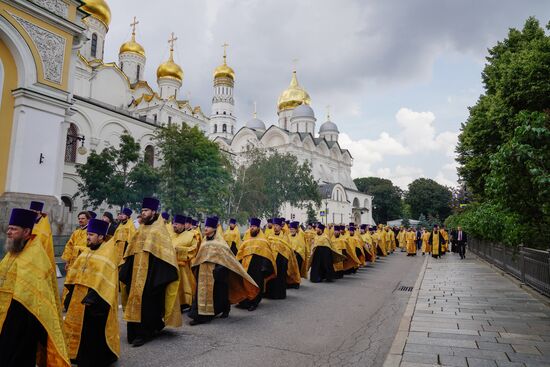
(158, 270)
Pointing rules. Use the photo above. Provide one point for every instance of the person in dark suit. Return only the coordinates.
(460, 239)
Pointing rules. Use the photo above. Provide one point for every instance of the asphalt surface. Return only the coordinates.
(350, 322)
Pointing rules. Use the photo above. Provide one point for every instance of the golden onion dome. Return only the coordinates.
(293, 96)
(170, 69)
(99, 10)
(224, 71)
(132, 46)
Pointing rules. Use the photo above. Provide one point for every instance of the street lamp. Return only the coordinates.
(74, 139)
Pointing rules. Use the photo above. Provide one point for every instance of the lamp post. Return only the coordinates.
(74, 139)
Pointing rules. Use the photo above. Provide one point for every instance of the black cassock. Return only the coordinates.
(20, 336)
(321, 265)
(300, 261)
(258, 269)
(159, 275)
(276, 287)
(221, 294)
(93, 349)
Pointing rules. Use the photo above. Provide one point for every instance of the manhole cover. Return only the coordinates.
(404, 288)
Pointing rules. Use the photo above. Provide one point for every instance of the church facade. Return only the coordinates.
(60, 100)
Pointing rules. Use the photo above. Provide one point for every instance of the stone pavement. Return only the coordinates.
(466, 313)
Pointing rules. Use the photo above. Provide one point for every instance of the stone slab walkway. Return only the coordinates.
(465, 313)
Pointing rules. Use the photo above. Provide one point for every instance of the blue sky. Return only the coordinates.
(398, 75)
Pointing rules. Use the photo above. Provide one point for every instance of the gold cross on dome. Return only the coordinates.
(133, 25)
(172, 40)
(225, 45)
(294, 64)
(328, 112)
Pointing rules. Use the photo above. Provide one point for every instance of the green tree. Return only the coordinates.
(387, 197)
(116, 176)
(311, 214)
(427, 196)
(268, 179)
(194, 173)
(503, 150)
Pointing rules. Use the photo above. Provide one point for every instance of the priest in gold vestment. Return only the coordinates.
(149, 271)
(91, 323)
(232, 236)
(323, 256)
(78, 240)
(288, 272)
(221, 279)
(30, 324)
(298, 245)
(257, 259)
(185, 243)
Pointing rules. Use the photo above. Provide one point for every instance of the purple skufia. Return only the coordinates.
(150, 203)
(98, 226)
(24, 218)
(255, 222)
(211, 222)
(37, 205)
(181, 219)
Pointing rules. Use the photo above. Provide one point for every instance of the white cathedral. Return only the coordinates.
(60, 100)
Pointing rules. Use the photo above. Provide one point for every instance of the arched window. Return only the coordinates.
(137, 72)
(232, 129)
(224, 128)
(121, 66)
(71, 144)
(67, 202)
(215, 128)
(149, 156)
(93, 49)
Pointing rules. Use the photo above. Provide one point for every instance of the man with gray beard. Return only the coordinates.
(30, 323)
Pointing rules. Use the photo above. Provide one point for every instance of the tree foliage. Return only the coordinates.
(387, 197)
(266, 180)
(116, 176)
(425, 196)
(194, 173)
(503, 148)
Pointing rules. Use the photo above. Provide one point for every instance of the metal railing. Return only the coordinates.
(529, 265)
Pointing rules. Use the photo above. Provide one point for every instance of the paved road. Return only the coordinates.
(349, 322)
(468, 314)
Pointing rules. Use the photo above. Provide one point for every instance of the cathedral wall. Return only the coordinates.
(110, 86)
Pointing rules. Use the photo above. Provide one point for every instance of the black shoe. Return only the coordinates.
(242, 306)
(329, 280)
(138, 342)
(252, 308)
(224, 315)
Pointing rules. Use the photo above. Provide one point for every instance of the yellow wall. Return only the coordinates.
(6, 111)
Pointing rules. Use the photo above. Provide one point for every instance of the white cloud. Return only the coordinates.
(366, 152)
(417, 134)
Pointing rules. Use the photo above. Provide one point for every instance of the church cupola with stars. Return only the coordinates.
(169, 74)
(222, 119)
(97, 26)
(131, 57)
(289, 99)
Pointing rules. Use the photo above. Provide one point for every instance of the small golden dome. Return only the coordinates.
(293, 96)
(99, 10)
(224, 71)
(170, 69)
(132, 46)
